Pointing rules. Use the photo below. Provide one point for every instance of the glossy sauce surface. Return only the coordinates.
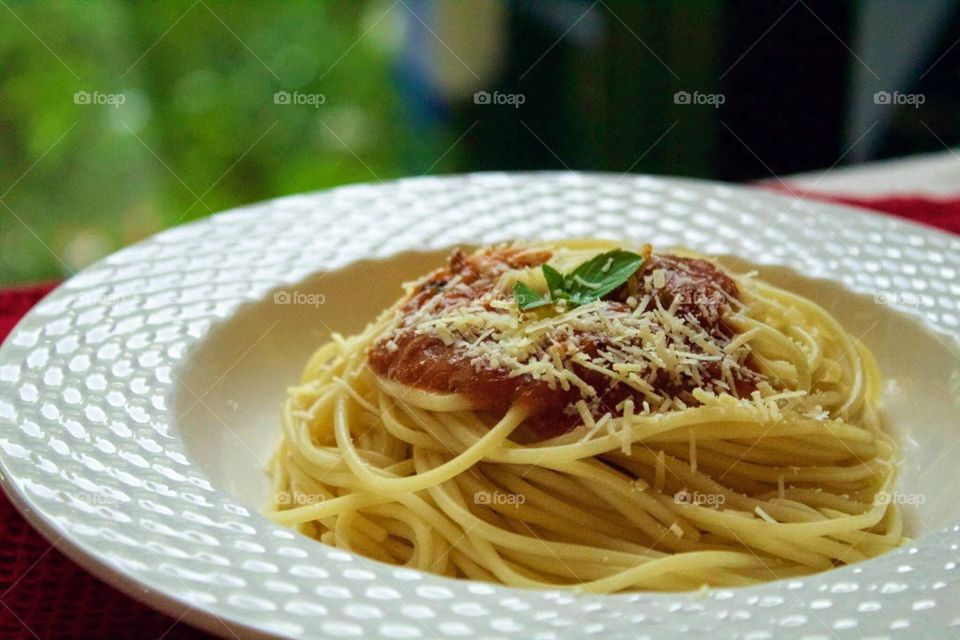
(426, 362)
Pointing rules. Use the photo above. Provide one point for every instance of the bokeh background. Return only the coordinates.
(119, 119)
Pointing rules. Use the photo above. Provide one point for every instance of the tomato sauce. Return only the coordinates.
(424, 361)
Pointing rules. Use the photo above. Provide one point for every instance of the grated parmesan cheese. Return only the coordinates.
(763, 515)
(667, 357)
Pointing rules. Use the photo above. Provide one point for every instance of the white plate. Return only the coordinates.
(140, 401)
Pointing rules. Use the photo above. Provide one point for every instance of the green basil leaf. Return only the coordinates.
(590, 281)
(527, 298)
(555, 282)
(601, 274)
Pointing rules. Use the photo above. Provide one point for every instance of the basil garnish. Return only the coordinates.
(590, 281)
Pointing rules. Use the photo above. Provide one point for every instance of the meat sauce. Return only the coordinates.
(424, 361)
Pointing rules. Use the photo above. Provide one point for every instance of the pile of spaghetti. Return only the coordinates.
(578, 415)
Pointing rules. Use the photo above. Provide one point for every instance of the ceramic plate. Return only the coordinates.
(139, 403)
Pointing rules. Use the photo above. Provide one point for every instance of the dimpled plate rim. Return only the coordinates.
(92, 457)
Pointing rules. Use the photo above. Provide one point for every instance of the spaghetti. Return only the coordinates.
(645, 422)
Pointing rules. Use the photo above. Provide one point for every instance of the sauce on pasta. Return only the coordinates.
(698, 291)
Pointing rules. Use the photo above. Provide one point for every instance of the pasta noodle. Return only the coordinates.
(687, 428)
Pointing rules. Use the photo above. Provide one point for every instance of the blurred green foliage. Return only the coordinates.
(198, 129)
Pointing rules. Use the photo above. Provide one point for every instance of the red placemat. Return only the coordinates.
(45, 595)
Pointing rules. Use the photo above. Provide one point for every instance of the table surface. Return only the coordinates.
(931, 175)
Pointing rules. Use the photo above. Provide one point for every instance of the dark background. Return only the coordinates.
(199, 128)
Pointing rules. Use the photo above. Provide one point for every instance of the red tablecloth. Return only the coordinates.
(45, 595)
